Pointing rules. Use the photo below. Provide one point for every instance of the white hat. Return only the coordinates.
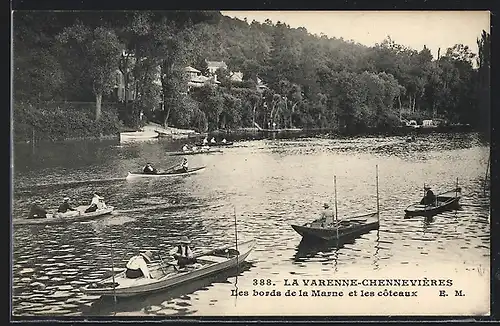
(96, 195)
(66, 198)
(148, 255)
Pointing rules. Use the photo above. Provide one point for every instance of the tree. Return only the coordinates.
(100, 50)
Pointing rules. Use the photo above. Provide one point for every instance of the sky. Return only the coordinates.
(435, 29)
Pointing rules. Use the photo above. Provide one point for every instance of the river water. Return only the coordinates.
(269, 184)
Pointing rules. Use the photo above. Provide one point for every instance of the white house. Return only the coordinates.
(236, 76)
(214, 65)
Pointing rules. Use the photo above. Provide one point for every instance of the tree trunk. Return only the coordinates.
(165, 121)
(253, 115)
(98, 103)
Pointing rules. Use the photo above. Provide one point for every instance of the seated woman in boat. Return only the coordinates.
(37, 211)
(182, 253)
(429, 198)
(212, 141)
(327, 215)
(224, 141)
(205, 141)
(149, 169)
(96, 203)
(137, 266)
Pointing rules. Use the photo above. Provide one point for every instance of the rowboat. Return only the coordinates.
(202, 151)
(132, 175)
(138, 135)
(445, 201)
(218, 144)
(167, 275)
(342, 230)
(72, 216)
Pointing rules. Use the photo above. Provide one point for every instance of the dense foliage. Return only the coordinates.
(313, 81)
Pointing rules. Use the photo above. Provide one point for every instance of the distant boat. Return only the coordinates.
(445, 201)
(138, 135)
(132, 175)
(166, 275)
(61, 218)
(191, 152)
(218, 144)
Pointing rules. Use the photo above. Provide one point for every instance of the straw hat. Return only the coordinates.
(148, 255)
(96, 195)
(325, 205)
(185, 240)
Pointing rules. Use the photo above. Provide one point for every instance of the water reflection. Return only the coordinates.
(272, 183)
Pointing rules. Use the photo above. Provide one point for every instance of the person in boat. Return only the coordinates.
(212, 141)
(185, 148)
(97, 203)
(429, 198)
(184, 166)
(205, 141)
(37, 211)
(224, 141)
(65, 206)
(183, 253)
(149, 169)
(137, 266)
(327, 215)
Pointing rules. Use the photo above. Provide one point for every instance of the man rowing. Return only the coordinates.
(183, 167)
(183, 253)
(185, 148)
(65, 206)
(137, 266)
(149, 169)
(429, 198)
(205, 141)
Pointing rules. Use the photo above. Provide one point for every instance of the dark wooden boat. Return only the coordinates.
(341, 230)
(445, 201)
(218, 144)
(132, 175)
(196, 152)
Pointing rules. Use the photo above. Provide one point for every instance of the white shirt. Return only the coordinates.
(185, 164)
(205, 141)
(138, 262)
(328, 215)
(212, 140)
(185, 251)
(224, 140)
(185, 148)
(98, 202)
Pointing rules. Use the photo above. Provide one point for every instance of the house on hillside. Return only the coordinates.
(236, 76)
(214, 65)
(196, 79)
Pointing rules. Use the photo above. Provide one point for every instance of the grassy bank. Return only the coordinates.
(62, 122)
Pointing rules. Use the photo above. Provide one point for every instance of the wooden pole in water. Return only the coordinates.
(236, 240)
(113, 268)
(486, 175)
(376, 181)
(456, 189)
(336, 214)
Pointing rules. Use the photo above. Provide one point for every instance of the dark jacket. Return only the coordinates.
(64, 207)
(429, 198)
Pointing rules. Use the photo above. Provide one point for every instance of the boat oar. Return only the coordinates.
(172, 167)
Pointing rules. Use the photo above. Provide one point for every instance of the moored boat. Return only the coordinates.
(138, 135)
(132, 175)
(341, 230)
(445, 201)
(59, 218)
(167, 275)
(191, 152)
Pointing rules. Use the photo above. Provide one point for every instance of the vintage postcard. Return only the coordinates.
(250, 163)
